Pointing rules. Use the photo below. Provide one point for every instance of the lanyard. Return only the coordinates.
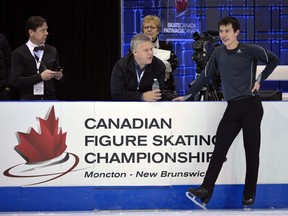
(38, 59)
(139, 78)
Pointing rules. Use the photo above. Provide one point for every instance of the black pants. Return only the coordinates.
(245, 114)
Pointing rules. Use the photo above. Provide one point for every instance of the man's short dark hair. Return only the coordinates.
(33, 23)
(230, 20)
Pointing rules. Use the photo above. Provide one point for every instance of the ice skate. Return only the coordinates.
(200, 196)
(248, 201)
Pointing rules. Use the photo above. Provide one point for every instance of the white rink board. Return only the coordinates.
(169, 144)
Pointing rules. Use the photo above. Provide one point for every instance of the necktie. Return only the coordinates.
(38, 48)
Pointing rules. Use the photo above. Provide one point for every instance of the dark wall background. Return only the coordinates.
(86, 33)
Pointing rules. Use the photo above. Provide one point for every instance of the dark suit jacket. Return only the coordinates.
(124, 79)
(24, 72)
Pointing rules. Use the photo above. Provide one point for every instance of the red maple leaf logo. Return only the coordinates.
(48, 144)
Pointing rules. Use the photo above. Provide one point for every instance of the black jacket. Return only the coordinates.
(173, 58)
(24, 72)
(170, 88)
(124, 80)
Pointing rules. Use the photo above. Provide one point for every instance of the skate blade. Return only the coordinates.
(193, 199)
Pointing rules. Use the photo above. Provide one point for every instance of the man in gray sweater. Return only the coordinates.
(237, 63)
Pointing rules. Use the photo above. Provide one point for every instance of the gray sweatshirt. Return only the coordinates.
(237, 70)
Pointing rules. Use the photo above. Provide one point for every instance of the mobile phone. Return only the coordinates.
(58, 68)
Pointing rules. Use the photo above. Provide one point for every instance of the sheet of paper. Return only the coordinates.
(162, 54)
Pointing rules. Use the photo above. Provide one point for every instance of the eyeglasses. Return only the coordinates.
(151, 27)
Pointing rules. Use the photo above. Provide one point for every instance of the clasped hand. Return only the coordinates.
(153, 95)
(48, 74)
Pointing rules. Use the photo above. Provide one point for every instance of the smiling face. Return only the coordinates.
(39, 36)
(228, 36)
(143, 54)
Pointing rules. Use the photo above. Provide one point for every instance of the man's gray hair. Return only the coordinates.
(137, 40)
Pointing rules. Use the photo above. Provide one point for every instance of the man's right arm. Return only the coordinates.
(196, 86)
(18, 79)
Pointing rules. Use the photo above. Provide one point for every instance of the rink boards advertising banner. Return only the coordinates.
(129, 144)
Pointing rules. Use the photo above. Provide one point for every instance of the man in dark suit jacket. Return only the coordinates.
(132, 76)
(34, 64)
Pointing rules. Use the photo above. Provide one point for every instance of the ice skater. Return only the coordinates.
(237, 63)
